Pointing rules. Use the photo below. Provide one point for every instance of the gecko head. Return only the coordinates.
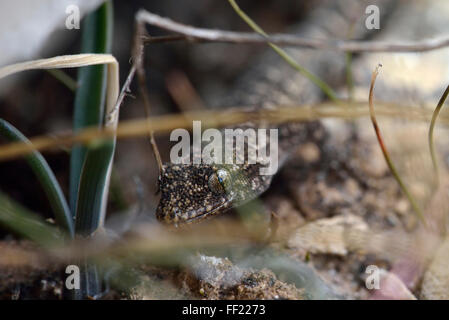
(192, 192)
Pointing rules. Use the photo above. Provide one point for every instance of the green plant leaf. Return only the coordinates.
(45, 176)
(90, 95)
(93, 187)
(90, 166)
(91, 207)
(28, 224)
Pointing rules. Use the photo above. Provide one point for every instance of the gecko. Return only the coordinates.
(193, 192)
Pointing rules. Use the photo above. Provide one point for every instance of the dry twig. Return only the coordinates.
(138, 56)
(166, 123)
(209, 35)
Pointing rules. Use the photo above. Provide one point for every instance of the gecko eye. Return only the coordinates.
(219, 181)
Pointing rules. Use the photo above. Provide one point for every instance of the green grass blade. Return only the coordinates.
(90, 165)
(90, 95)
(91, 207)
(45, 176)
(94, 187)
(18, 219)
(328, 91)
(64, 78)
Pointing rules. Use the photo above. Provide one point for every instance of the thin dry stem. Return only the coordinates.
(431, 130)
(138, 56)
(167, 123)
(383, 147)
(208, 35)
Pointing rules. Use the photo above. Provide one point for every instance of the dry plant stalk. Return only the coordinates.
(385, 152)
(75, 61)
(166, 123)
(431, 130)
(189, 33)
(138, 56)
(144, 239)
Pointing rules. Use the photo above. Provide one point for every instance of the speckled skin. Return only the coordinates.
(186, 194)
(192, 192)
(193, 199)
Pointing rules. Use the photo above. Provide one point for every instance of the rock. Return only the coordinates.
(327, 235)
(391, 287)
